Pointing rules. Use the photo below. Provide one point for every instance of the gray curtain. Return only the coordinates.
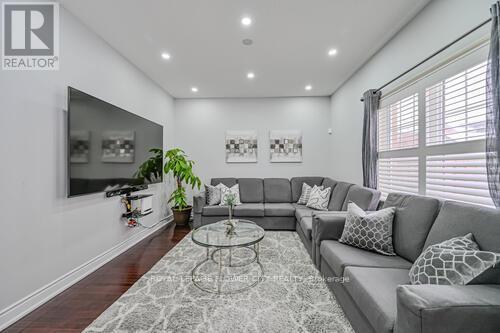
(370, 138)
(493, 109)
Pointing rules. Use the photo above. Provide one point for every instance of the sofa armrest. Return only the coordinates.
(199, 201)
(438, 308)
(325, 225)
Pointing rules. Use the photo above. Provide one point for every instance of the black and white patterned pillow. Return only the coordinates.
(306, 193)
(213, 194)
(453, 262)
(369, 231)
(319, 198)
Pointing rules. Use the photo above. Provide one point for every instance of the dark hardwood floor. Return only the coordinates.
(75, 308)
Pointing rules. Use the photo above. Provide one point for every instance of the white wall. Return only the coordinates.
(439, 23)
(43, 234)
(201, 125)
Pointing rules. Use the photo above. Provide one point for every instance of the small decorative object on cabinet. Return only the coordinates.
(136, 206)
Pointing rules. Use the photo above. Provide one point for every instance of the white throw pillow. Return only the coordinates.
(319, 198)
(225, 191)
(306, 193)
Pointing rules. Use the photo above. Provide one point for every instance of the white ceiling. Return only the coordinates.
(204, 37)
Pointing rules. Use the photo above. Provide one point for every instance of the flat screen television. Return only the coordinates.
(106, 146)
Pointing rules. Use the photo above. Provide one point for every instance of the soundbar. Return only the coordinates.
(126, 190)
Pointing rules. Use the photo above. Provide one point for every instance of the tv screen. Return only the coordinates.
(107, 145)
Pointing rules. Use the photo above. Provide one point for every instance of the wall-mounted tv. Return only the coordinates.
(106, 145)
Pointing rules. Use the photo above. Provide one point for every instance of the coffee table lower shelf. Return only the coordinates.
(217, 258)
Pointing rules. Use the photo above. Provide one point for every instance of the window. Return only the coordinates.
(460, 177)
(398, 175)
(456, 108)
(446, 158)
(398, 125)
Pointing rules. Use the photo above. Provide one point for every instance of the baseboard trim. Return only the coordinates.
(21, 308)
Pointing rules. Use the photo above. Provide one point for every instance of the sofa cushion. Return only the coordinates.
(328, 182)
(445, 309)
(297, 182)
(412, 222)
(215, 211)
(229, 182)
(374, 292)
(457, 219)
(302, 211)
(277, 190)
(366, 198)
(279, 209)
(249, 209)
(338, 196)
(251, 190)
(306, 226)
(339, 256)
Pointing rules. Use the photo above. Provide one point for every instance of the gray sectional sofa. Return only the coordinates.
(376, 294)
(374, 290)
(272, 203)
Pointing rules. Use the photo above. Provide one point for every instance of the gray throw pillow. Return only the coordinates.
(213, 194)
(453, 262)
(371, 231)
(306, 193)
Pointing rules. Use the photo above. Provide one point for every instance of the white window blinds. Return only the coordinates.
(456, 107)
(398, 124)
(460, 177)
(398, 175)
(432, 132)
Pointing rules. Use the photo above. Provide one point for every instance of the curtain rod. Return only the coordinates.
(432, 55)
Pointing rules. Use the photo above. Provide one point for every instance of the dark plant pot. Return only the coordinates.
(182, 216)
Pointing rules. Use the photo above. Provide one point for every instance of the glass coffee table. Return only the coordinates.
(234, 257)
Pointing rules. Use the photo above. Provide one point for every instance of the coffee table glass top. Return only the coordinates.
(246, 233)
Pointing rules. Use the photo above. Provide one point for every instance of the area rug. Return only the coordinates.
(291, 297)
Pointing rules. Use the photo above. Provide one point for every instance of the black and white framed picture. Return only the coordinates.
(79, 146)
(285, 146)
(118, 147)
(241, 146)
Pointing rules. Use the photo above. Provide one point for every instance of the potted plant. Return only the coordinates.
(230, 223)
(177, 163)
(181, 168)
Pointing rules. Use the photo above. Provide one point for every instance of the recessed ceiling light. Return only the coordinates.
(250, 75)
(165, 55)
(308, 87)
(194, 89)
(332, 52)
(246, 21)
